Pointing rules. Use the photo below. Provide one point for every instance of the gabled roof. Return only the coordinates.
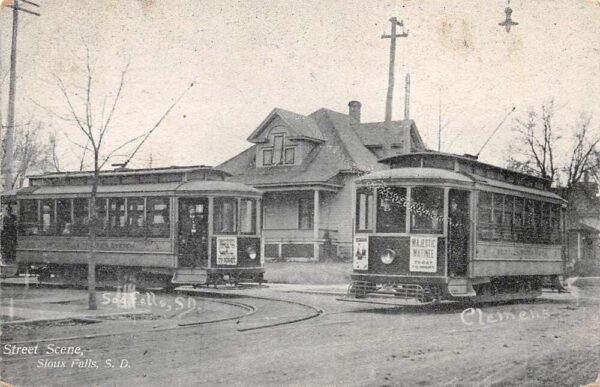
(341, 145)
(343, 152)
(301, 127)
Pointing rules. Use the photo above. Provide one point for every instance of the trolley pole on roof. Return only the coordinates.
(9, 137)
(495, 130)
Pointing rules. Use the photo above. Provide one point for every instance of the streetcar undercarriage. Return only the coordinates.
(141, 278)
(482, 289)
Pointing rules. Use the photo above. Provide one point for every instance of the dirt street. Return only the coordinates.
(554, 341)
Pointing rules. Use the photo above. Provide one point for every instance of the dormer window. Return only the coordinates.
(277, 148)
(279, 154)
(289, 155)
(267, 156)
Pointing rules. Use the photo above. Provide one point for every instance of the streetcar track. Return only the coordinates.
(251, 310)
(316, 312)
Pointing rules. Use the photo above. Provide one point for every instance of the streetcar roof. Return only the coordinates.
(207, 187)
(471, 165)
(442, 176)
(130, 176)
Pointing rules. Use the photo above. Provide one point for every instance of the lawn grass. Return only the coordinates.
(309, 273)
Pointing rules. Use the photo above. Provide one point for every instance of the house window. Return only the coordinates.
(289, 155)
(267, 156)
(277, 149)
(305, 214)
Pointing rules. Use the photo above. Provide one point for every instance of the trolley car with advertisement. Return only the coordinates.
(157, 227)
(440, 226)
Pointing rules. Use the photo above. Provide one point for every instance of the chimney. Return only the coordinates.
(354, 110)
(407, 97)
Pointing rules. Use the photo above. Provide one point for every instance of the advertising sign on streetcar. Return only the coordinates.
(423, 254)
(226, 251)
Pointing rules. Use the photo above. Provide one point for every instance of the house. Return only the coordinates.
(583, 228)
(305, 166)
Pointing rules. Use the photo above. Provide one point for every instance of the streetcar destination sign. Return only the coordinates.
(423, 254)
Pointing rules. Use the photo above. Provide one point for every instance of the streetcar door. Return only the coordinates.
(459, 227)
(193, 232)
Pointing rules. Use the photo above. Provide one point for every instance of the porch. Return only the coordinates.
(302, 225)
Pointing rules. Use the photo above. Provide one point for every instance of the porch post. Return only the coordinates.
(316, 225)
(578, 246)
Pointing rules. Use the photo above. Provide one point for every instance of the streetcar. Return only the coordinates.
(156, 227)
(438, 226)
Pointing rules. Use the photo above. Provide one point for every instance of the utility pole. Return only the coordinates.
(393, 35)
(440, 120)
(9, 138)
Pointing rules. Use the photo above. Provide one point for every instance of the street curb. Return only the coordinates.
(90, 318)
(584, 281)
(321, 292)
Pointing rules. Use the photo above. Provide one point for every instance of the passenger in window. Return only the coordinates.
(67, 229)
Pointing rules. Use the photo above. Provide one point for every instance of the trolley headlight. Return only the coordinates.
(251, 250)
(388, 256)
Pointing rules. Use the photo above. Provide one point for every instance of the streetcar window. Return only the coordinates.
(225, 216)
(484, 210)
(116, 217)
(248, 216)
(391, 209)
(81, 216)
(427, 210)
(485, 207)
(28, 222)
(507, 218)
(439, 162)
(529, 221)
(102, 220)
(498, 209)
(364, 210)
(64, 224)
(135, 216)
(518, 221)
(545, 230)
(157, 212)
(556, 221)
(539, 231)
(48, 220)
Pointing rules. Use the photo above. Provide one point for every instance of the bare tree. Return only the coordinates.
(33, 153)
(95, 130)
(541, 152)
(537, 153)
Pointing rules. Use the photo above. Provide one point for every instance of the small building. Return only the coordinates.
(583, 226)
(305, 165)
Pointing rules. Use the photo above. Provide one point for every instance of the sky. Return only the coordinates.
(248, 57)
